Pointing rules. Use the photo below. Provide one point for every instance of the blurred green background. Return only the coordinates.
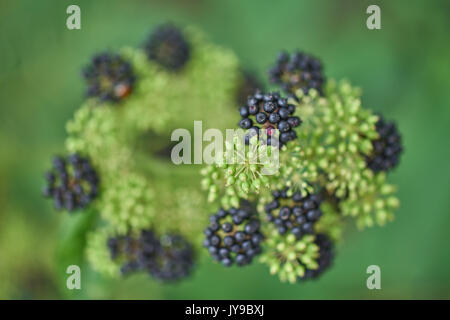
(404, 70)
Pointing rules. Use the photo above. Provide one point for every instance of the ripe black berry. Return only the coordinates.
(270, 112)
(238, 239)
(72, 183)
(297, 71)
(387, 148)
(109, 77)
(326, 256)
(168, 47)
(245, 123)
(296, 214)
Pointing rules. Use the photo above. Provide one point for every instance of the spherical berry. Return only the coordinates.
(241, 259)
(228, 241)
(261, 118)
(243, 111)
(284, 113)
(274, 118)
(240, 236)
(227, 227)
(270, 106)
(227, 262)
(284, 126)
(253, 109)
(245, 123)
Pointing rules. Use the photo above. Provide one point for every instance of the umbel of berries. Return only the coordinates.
(295, 213)
(72, 183)
(109, 77)
(233, 236)
(326, 256)
(297, 71)
(168, 258)
(270, 112)
(387, 148)
(168, 47)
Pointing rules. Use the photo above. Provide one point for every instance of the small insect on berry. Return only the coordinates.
(109, 77)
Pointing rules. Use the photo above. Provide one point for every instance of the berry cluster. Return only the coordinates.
(295, 213)
(297, 71)
(270, 112)
(109, 77)
(72, 183)
(168, 259)
(326, 256)
(386, 149)
(233, 236)
(168, 47)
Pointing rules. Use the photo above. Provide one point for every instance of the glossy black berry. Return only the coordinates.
(109, 77)
(284, 113)
(387, 148)
(168, 47)
(239, 238)
(269, 112)
(72, 183)
(297, 71)
(243, 111)
(261, 118)
(295, 213)
(245, 123)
